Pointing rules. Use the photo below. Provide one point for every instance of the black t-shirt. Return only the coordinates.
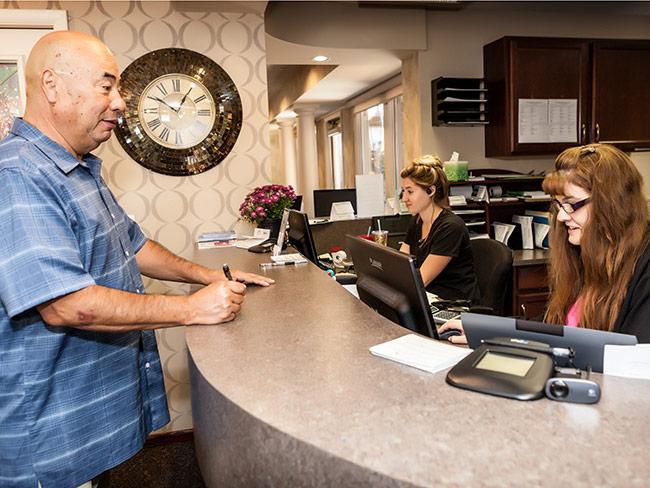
(448, 237)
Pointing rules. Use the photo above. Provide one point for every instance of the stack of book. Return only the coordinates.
(209, 240)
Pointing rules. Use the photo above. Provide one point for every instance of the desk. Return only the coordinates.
(333, 232)
(529, 282)
(288, 395)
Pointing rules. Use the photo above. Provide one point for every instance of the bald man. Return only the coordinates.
(81, 384)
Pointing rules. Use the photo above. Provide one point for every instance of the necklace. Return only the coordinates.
(435, 214)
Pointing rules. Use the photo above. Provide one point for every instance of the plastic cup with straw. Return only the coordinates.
(380, 236)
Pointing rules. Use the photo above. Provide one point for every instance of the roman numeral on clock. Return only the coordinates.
(204, 112)
(179, 139)
(176, 84)
(164, 134)
(153, 124)
(162, 88)
(153, 110)
(200, 99)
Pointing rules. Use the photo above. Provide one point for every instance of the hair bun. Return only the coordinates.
(429, 160)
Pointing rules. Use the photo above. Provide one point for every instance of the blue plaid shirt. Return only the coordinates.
(73, 403)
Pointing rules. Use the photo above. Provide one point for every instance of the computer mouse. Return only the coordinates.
(444, 336)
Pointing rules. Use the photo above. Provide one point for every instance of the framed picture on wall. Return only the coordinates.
(12, 91)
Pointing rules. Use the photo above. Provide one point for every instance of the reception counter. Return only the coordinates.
(288, 395)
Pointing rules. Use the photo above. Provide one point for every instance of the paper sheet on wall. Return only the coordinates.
(563, 120)
(548, 120)
(533, 120)
(370, 195)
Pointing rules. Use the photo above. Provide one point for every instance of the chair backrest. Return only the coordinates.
(396, 226)
(493, 268)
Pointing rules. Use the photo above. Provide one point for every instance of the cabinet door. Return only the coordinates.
(533, 68)
(621, 93)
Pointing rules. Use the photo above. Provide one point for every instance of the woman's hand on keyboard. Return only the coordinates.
(454, 324)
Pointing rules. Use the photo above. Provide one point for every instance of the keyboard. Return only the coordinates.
(442, 316)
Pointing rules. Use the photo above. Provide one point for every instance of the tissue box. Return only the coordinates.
(456, 170)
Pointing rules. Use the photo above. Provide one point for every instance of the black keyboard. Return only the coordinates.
(442, 316)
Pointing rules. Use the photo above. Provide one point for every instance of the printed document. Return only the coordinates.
(421, 352)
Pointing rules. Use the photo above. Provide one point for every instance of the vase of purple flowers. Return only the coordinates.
(265, 204)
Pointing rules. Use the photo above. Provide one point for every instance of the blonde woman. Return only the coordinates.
(599, 271)
(436, 236)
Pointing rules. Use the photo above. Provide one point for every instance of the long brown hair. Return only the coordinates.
(614, 236)
(427, 172)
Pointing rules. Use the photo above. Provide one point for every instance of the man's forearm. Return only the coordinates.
(101, 308)
(156, 261)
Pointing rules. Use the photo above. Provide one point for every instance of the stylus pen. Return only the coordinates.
(226, 271)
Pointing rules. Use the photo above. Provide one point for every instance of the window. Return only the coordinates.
(336, 150)
(380, 141)
(335, 153)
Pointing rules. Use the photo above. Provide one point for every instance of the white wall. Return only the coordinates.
(455, 48)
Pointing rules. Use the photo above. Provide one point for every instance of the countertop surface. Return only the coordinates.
(296, 361)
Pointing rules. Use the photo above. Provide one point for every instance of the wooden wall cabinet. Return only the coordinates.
(610, 80)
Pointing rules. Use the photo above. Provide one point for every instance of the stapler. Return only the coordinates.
(266, 246)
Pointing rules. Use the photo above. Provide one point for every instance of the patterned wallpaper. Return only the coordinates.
(174, 210)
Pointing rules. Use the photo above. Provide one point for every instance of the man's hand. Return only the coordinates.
(251, 278)
(216, 303)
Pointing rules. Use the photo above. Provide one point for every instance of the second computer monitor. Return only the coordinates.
(300, 237)
(389, 282)
(323, 200)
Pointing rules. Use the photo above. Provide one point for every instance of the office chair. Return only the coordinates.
(493, 268)
(396, 226)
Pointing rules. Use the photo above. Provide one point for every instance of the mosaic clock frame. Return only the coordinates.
(183, 112)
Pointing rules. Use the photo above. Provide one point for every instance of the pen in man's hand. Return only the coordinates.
(226, 271)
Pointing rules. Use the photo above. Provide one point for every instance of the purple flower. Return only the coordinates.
(266, 201)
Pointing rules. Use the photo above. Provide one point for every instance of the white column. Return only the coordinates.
(288, 147)
(308, 157)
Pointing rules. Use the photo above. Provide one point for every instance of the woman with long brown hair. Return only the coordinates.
(599, 270)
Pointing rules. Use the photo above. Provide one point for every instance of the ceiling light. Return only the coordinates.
(320, 58)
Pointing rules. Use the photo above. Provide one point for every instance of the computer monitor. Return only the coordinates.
(389, 282)
(396, 225)
(323, 200)
(588, 344)
(300, 236)
(297, 203)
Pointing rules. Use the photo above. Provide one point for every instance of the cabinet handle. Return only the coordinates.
(583, 139)
(523, 310)
(597, 133)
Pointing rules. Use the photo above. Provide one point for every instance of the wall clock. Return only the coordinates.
(183, 112)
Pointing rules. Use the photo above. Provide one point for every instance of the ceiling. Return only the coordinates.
(355, 71)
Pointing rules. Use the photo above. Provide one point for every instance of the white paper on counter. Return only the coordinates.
(627, 361)
(420, 352)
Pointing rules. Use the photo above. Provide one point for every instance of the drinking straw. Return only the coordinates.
(369, 229)
(379, 224)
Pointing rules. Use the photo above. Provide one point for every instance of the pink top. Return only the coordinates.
(575, 314)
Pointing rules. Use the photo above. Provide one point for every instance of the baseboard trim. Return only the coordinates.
(186, 435)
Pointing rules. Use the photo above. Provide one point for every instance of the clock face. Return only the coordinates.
(176, 111)
(183, 112)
